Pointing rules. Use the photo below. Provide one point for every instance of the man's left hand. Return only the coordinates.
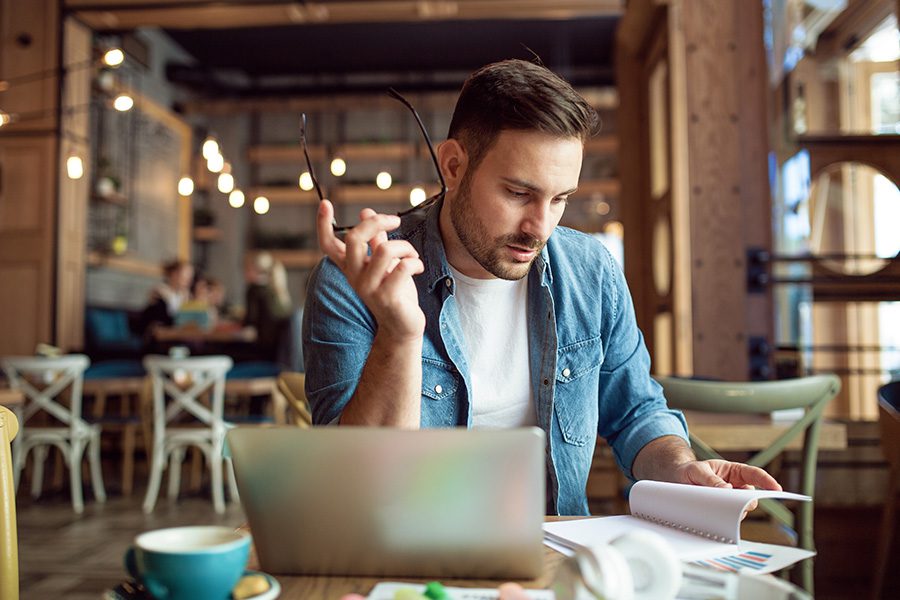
(723, 473)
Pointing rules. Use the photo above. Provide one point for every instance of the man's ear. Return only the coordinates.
(453, 161)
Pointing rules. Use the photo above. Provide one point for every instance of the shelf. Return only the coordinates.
(285, 194)
(294, 259)
(351, 193)
(124, 264)
(602, 144)
(207, 234)
(607, 187)
(293, 153)
(113, 198)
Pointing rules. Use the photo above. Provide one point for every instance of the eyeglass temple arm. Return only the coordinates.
(395, 94)
(312, 173)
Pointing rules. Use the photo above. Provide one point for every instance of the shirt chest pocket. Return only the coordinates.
(439, 380)
(575, 397)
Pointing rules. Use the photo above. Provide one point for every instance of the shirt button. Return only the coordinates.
(438, 389)
(566, 372)
(449, 283)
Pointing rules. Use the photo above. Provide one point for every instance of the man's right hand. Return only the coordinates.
(383, 279)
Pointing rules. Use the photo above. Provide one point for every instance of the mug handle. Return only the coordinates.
(156, 590)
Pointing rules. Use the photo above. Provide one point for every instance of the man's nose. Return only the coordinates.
(539, 221)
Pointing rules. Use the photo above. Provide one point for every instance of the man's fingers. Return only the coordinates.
(329, 243)
(702, 473)
(381, 236)
(384, 261)
(357, 241)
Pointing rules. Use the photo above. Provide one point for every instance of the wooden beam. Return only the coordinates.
(203, 14)
(850, 28)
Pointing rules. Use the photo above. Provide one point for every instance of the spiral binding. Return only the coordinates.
(672, 525)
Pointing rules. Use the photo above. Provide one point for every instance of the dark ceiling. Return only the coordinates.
(312, 59)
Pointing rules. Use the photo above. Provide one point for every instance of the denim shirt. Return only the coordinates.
(589, 365)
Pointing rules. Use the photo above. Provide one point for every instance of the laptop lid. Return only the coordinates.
(388, 502)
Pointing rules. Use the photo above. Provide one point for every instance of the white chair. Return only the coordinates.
(42, 381)
(184, 381)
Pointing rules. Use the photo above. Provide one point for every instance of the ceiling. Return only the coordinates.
(358, 57)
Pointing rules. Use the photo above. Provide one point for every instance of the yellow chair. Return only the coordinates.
(889, 422)
(811, 394)
(292, 387)
(9, 548)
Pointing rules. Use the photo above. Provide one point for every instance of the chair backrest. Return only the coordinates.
(889, 421)
(42, 380)
(810, 393)
(185, 380)
(9, 547)
(292, 387)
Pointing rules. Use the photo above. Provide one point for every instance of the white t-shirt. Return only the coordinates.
(494, 320)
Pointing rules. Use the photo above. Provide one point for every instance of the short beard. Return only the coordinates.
(487, 252)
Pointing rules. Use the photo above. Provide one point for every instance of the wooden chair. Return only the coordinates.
(292, 387)
(811, 394)
(184, 382)
(9, 546)
(889, 424)
(43, 381)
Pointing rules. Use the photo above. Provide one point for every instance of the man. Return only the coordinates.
(480, 312)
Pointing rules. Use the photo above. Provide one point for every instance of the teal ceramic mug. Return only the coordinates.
(189, 563)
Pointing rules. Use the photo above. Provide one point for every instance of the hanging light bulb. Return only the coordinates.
(215, 163)
(306, 182)
(383, 180)
(338, 167)
(210, 148)
(123, 102)
(261, 205)
(74, 167)
(226, 182)
(4, 118)
(417, 196)
(113, 57)
(236, 199)
(185, 186)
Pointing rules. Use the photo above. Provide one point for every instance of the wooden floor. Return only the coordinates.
(62, 555)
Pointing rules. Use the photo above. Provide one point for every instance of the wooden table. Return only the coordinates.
(333, 587)
(196, 335)
(11, 398)
(751, 433)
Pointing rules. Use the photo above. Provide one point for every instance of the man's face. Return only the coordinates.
(504, 211)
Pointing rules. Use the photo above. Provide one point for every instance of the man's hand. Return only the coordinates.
(723, 473)
(383, 279)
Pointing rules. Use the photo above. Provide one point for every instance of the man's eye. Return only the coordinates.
(561, 200)
(517, 193)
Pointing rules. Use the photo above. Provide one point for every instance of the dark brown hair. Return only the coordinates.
(517, 95)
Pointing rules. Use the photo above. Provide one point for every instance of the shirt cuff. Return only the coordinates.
(647, 429)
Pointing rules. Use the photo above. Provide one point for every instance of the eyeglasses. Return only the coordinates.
(424, 204)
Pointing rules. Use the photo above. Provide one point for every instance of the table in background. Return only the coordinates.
(751, 433)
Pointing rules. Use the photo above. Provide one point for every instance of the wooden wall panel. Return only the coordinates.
(21, 323)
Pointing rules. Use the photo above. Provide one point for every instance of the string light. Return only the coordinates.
(210, 148)
(383, 180)
(185, 186)
(123, 102)
(215, 163)
(236, 199)
(74, 167)
(261, 205)
(417, 196)
(306, 182)
(226, 182)
(113, 57)
(4, 118)
(338, 167)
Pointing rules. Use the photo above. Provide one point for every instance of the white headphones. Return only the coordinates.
(638, 565)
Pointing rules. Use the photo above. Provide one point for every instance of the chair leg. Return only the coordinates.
(887, 534)
(232, 482)
(196, 470)
(129, 435)
(74, 455)
(157, 465)
(96, 466)
(215, 466)
(39, 458)
(176, 458)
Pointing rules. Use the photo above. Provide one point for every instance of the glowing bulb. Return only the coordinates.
(416, 196)
(338, 167)
(226, 182)
(123, 102)
(383, 180)
(74, 167)
(306, 182)
(236, 199)
(185, 186)
(261, 205)
(215, 163)
(210, 148)
(4, 118)
(114, 57)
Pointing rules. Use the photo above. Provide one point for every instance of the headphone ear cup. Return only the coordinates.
(655, 570)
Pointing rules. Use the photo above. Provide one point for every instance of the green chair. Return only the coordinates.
(809, 393)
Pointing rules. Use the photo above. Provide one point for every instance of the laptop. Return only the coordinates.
(386, 502)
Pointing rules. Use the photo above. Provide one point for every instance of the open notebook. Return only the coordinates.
(701, 524)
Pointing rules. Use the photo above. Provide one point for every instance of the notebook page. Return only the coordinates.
(704, 511)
